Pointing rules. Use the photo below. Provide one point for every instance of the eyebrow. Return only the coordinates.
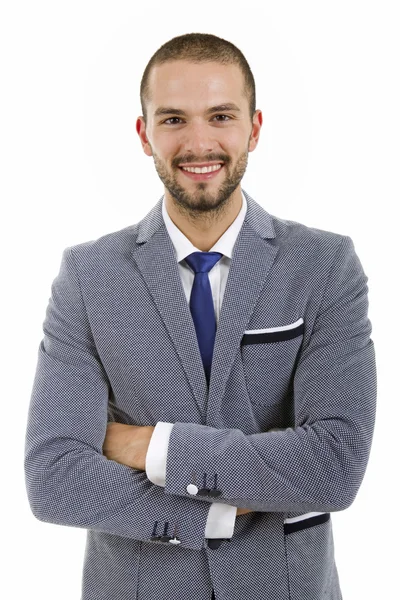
(178, 111)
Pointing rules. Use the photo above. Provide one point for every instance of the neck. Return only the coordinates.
(204, 228)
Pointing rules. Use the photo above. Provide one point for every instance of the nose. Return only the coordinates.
(199, 139)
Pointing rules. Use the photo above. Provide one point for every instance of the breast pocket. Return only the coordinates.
(269, 360)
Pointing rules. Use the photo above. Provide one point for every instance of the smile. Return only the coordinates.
(200, 174)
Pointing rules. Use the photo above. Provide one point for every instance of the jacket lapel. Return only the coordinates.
(252, 258)
(157, 263)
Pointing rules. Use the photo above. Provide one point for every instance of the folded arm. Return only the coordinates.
(319, 463)
(68, 479)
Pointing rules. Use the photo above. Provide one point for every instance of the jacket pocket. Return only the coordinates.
(309, 555)
(273, 334)
(269, 358)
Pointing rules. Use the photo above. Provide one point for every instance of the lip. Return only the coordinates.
(201, 176)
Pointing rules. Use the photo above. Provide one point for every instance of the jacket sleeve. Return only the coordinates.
(221, 517)
(319, 463)
(68, 479)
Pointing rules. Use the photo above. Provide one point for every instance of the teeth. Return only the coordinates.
(202, 169)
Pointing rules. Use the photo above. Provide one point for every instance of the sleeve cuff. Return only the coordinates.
(221, 521)
(156, 457)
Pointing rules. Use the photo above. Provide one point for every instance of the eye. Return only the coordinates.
(170, 119)
(227, 117)
(224, 116)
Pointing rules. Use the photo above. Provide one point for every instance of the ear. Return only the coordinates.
(255, 132)
(141, 130)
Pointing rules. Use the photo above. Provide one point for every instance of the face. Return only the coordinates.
(185, 128)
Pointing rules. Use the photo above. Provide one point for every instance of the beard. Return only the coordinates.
(202, 203)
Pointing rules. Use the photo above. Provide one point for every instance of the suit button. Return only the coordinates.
(192, 489)
(215, 492)
(204, 491)
(174, 541)
(165, 537)
(214, 543)
(154, 537)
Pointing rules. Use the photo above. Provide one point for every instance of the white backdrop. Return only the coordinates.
(73, 169)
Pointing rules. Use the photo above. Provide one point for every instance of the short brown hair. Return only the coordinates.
(199, 47)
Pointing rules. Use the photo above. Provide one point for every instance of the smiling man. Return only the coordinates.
(199, 131)
(206, 385)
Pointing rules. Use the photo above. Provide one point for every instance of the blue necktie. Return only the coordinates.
(201, 304)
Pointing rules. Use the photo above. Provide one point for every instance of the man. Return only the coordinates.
(206, 385)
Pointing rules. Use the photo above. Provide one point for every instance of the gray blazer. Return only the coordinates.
(285, 427)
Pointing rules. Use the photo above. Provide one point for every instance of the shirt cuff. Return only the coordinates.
(221, 521)
(221, 517)
(156, 457)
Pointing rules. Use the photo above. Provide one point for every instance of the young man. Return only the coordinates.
(206, 385)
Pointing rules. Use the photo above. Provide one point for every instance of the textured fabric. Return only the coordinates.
(202, 306)
(202, 310)
(119, 343)
(221, 517)
(182, 246)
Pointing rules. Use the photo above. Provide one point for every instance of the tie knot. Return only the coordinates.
(202, 262)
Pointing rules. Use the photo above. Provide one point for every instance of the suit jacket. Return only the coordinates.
(221, 517)
(292, 353)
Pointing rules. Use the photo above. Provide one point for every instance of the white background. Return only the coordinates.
(73, 169)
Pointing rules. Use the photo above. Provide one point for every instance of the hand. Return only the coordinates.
(127, 444)
(243, 511)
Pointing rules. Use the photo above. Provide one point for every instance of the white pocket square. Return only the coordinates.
(280, 328)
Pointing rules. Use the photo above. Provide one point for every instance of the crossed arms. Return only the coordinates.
(317, 465)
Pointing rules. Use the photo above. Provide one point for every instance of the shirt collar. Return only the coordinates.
(183, 246)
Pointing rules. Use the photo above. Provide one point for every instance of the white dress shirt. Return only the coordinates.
(221, 517)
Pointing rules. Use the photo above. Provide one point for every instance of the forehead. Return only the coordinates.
(180, 81)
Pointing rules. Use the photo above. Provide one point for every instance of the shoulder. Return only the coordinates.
(293, 231)
(309, 243)
(120, 242)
